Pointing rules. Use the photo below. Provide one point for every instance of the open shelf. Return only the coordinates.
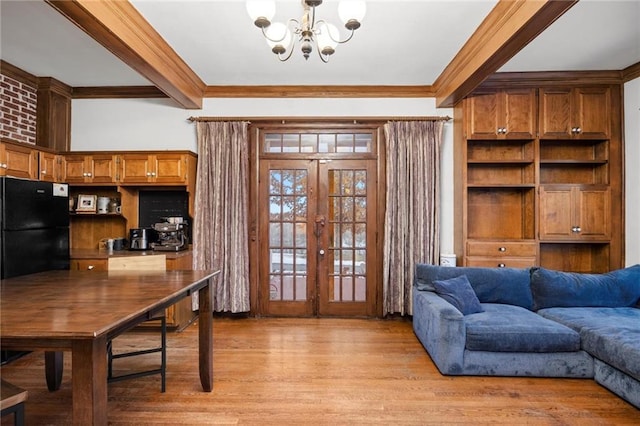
(500, 213)
(575, 257)
(500, 150)
(502, 174)
(565, 172)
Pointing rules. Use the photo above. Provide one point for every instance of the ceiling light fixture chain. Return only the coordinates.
(309, 32)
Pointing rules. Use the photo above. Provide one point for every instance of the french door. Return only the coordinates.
(317, 237)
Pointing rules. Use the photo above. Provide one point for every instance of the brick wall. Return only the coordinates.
(18, 108)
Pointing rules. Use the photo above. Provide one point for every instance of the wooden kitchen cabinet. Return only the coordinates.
(501, 114)
(575, 213)
(89, 265)
(18, 161)
(90, 169)
(50, 166)
(155, 168)
(575, 113)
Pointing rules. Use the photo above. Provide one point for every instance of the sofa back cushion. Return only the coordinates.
(491, 285)
(569, 289)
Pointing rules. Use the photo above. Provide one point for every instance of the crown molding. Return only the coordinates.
(18, 74)
(631, 72)
(549, 78)
(319, 92)
(107, 92)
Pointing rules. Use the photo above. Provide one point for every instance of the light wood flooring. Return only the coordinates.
(321, 372)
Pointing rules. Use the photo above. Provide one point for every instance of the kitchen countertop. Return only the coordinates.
(105, 254)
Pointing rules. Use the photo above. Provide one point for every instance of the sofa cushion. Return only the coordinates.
(459, 293)
(617, 346)
(507, 328)
(567, 289)
(580, 318)
(492, 285)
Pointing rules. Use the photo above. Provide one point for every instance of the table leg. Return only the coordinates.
(205, 336)
(89, 378)
(53, 368)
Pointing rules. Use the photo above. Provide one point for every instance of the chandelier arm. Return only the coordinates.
(289, 23)
(326, 61)
(288, 56)
(331, 37)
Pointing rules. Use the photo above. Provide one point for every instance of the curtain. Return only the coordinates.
(220, 232)
(412, 218)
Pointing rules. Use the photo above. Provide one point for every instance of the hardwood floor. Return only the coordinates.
(321, 371)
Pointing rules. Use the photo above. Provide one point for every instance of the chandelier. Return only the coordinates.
(308, 31)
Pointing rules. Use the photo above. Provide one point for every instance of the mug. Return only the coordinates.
(107, 244)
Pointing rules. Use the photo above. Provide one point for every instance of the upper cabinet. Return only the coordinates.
(502, 114)
(575, 113)
(18, 161)
(24, 161)
(90, 169)
(157, 168)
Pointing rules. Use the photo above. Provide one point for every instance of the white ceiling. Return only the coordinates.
(399, 43)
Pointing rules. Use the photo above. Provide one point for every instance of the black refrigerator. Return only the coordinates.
(34, 220)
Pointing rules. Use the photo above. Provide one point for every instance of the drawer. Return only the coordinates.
(500, 262)
(89, 264)
(501, 248)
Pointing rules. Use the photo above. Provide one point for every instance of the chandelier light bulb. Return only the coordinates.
(278, 37)
(328, 36)
(261, 11)
(352, 13)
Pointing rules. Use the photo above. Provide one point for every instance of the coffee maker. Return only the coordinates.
(172, 236)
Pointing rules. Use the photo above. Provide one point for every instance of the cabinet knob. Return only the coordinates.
(3, 165)
(44, 172)
(502, 249)
(501, 265)
(90, 267)
(576, 229)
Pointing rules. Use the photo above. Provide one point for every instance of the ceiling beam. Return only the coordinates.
(319, 92)
(120, 28)
(510, 26)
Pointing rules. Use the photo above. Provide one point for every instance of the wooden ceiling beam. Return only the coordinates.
(510, 26)
(120, 28)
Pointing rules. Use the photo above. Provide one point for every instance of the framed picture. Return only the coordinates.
(86, 203)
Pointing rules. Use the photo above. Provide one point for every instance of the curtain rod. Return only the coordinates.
(355, 120)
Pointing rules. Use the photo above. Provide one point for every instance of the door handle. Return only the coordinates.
(319, 224)
(321, 252)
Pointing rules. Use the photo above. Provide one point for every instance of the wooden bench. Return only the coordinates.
(12, 400)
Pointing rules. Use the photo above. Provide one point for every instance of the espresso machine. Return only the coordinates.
(172, 235)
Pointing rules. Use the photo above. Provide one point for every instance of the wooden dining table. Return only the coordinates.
(80, 311)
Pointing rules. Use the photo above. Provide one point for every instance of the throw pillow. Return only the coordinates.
(459, 293)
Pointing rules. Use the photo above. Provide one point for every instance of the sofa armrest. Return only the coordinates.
(440, 328)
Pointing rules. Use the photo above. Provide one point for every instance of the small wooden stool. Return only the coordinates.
(12, 400)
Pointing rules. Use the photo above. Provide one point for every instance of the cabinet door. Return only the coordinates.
(103, 168)
(593, 213)
(482, 116)
(170, 168)
(135, 168)
(592, 116)
(18, 161)
(555, 113)
(575, 213)
(49, 167)
(519, 112)
(75, 169)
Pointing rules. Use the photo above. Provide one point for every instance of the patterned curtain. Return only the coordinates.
(412, 218)
(220, 232)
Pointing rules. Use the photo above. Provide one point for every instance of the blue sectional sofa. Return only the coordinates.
(532, 322)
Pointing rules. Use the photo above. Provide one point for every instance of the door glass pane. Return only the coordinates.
(308, 143)
(327, 143)
(348, 238)
(288, 235)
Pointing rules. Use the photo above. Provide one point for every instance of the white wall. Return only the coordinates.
(632, 170)
(158, 124)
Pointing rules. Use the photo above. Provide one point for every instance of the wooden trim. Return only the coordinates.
(50, 84)
(119, 27)
(550, 78)
(509, 27)
(117, 92)
(319, 92)
(17, 74)
(631, 72)
(311, 121)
